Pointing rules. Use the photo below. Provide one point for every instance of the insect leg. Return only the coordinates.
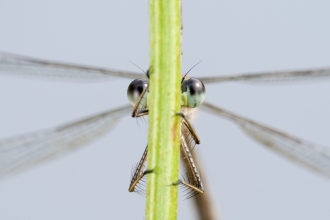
(139, 173)
(190, 128)
(194, 181)
(137, 104)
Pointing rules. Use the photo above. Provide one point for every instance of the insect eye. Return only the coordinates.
(134, 91)
(192, 93)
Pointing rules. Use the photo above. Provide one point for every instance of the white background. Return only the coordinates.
(247, 180)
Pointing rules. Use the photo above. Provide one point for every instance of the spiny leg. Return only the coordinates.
(191, 131)
(142, 112)
(194, 182)
(137, 104)
(139, 173)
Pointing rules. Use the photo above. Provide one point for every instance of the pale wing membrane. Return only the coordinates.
(11, 64)
(276, 77)
(303, 152)
(22, 152)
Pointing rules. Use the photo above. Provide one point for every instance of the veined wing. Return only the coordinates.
(295, 149)
(21, 152)
(24, 66)
(281, 76)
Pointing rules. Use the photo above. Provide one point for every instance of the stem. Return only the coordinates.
(163, 102)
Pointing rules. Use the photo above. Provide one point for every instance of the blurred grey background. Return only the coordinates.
(247, 180)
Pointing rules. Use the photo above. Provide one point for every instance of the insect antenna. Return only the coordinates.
(146, 73)
(189, 71)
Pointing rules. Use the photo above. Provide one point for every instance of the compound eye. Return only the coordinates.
(192, 93)
(135, 90)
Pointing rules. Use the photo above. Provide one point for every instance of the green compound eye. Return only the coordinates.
(192, 93)
(134, 91)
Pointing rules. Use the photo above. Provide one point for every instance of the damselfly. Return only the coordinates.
(21, 152)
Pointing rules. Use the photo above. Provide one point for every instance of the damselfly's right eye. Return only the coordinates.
(135, 90)
(192, 93)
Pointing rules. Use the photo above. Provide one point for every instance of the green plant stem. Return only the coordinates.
(163, 102)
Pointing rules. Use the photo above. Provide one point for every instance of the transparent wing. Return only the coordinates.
(11, 64)
(282, 76)
(21, 152)
(295, 149)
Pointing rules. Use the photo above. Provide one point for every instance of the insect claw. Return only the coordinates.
(179, 182)
(148, 171)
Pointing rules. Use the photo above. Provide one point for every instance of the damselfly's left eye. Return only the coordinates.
(134, 91)
(192, 93)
